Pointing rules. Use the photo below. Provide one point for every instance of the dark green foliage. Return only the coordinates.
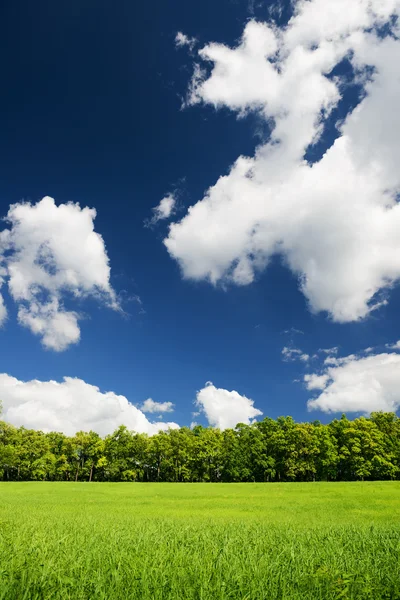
(271, 450)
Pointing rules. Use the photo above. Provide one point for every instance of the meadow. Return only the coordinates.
(199, 541)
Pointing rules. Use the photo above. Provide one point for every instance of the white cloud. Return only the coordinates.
(70, 406)
(182, 40)
(395, 346)
(224, 409)
(150, 406)
(329, 351)
(294, 331)
(52, 253)
(291, 354)
(357, 384)
(164, 209)
(3, 274)
(337, 361)
(336, 222)
(316, 382)
(3, 310)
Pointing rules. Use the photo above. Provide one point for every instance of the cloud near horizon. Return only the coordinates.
(225, 409)
(354, 383)
(335, 222)
(50, 254)
(69, 406)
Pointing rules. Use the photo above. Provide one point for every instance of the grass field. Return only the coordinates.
(200, 541)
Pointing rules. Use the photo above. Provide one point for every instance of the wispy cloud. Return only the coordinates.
(182, 40)
(291, 354)
(164, 210)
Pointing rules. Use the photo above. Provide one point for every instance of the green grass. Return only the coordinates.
(200, 541)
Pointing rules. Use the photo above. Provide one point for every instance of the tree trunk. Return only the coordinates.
(77, 472)
(159, 466)
(91, 472)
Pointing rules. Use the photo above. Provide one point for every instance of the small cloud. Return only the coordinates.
(225, 409)
(139, 301)
(182, 40)
(333, 350)
(294, 331)
(163, 210)
(150, 406)
(291, 354)
(395, 346)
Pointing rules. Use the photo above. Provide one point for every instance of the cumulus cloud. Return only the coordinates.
(150, 406)
(182, 40)
(70, 406)
(357, 384)
(290, 354)
(335, 222)
(316, 382)
(51, 253)
(224, 409)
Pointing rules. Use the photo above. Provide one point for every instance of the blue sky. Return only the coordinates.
(91, 113)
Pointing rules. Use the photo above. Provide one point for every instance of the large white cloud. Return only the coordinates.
(357, 384)
(52, 253)
(336, 222)
(225, 409)
(70, 406)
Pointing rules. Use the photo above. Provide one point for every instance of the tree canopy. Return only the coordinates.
(269, 450)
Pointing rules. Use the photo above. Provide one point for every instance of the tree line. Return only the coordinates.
(269, 450)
